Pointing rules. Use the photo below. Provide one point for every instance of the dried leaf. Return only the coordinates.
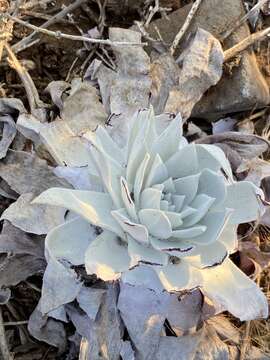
(48, 330)
(60, 286)
(178, 348)
(17, 268)
(237, 146)
(143, 312)
(26, 173)
(33, 218)
(5, 295)
(211, 347)
(201, 68)
(9, 133)
(89, 300)
(225, 329)
(56, 89)
(16, 241)
(184, 313)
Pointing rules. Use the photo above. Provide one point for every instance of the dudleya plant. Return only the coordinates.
(167, 213)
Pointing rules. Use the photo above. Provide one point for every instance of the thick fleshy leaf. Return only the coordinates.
(127, 200)
(243, 198)
(173, 247)
(145, 255)
(70, 240)
(168, 141)
(99, 259)
(213, 185)
(110, 173)
(212, 157)
(201, 204)
(228, 237)
(183, 163)
(174, 218)
(139, 178)
(187, 186)
(179, 276)
(150, 198)
(189, 233)
(156, 222)
(93, 206)
(214, 222)
(207, 256)
(158, 172)
(232, 289)
(137, 231)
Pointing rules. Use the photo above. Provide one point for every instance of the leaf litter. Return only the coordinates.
(130, 321)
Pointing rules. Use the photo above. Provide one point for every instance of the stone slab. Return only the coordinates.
(242, 86)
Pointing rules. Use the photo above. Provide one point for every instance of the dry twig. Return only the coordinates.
(59, 35)
(3, 341)
(185, 26)
(241, 21)
(32, 94)
(244, 44)
(29, 41)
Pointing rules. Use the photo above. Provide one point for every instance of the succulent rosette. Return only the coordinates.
(167, 214)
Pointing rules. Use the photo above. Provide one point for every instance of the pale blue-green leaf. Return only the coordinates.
(213, 185)
(178, 277)
(243, 199)
(70, 240)
(212, 157)
(106, 257)
(183, 163)
(90, 300)
(207, 256)
(164, 205)
(142, 254)
(178, 201)
(214, 222)
(93, 206)
(201, 204)
(168, 141)
(127, 200)
(169, 186)
(227, 286)
(174, 218)
(157, 174)
(156, 222)
(137, 231)
(150, 199)
(228, 237)
(173, 246)
(110, 173)
(139, 179)
(187, 186)
(189, 233)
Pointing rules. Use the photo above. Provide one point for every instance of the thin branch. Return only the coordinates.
(185, 26)
(244, 44)
(59, 35)
(241, 21)
(14, 323)
(29, 41)
(3, 341)
(32, 94)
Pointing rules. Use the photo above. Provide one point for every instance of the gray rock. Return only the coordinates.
(242, 86)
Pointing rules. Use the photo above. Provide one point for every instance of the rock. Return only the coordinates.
(242, 86)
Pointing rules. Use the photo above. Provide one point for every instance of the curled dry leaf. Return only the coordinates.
(237, 146)
(26, 173)
(8, 134)
(48, 330)
(33, 218)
